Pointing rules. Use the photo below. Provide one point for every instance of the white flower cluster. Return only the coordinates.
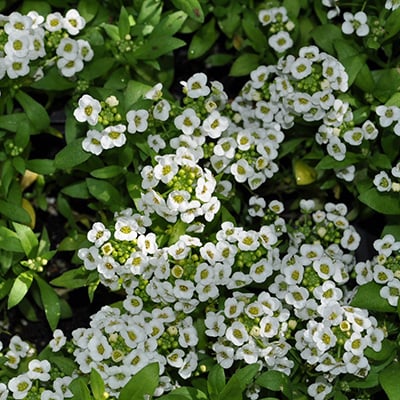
(31, 37)
(40, 373)
(303, 303)
(383, 269)
(279, 26)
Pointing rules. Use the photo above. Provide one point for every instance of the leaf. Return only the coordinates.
(107, 172)
(170, 24)
(276, 381)
(71, 155)
(80, 389)
(50, 301)
(325, 37)
(385, 203)
(368, 297)
(191, 7)
(20, 288)
(135, 91)
(27, 237)
(14, 212)
(203, 40)
(53, 81)
(157, 46)
(9, 240)
(141, 384)
(150, 12)
(387, 83)
(88, 9)
(392, 24)
(11, 122)
(41, 166)
(123, 23)
(389, 379)
(35, 112)
(215, 381)
(388, 350)
(250, 25)
(72, 279)
(104, 192)
(303, 173)
(329, 162)
(186, 393)
(78, 190)
(244, 64)
(97, 385)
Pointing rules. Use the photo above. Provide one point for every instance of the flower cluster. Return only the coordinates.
(30, 43)
(303, 303)
(383, 269)
(36, 377)
(279, 27)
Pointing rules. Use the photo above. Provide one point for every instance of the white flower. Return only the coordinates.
(49, 395)
(68, 68)
(269, 326)
(68, 49)
(39, 369)
(58, 340)
(17, 45)
(215, 324)
(166, 168)
(92, 142)
(382, 274)
(126, 228)
(237, 334)
(350, 239)
(16, 67)
(73, 22)
(19, 346)
(113, 136)
(98, 234)
(156, 142)
(280, 41)
(85, 51)
(88, 110)
(4, 391)
(320, 389)
(336, 148)
(161, 110)
(224, 355)
(187, 122)
(383, 182)
(392, 4)
(215, 124)
(54, 22)
(210, 209)
(369, 130)
(356, 22)
(60, 386)
(241, 170)
(387, 115)
(137, 120)
(155, 93)
(301, 68)
(20, 386)
(196, 86)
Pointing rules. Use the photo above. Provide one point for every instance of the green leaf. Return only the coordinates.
(71, 155)
(385, 203)
(215, 381)
(387, 82)
(88, 9)
(104, 192)
(80, 389)
(392, 24)
(150, 12)
(170, 24)
(27, 237)
(110, 171)
(35, 112)
(72, 279)
(124, 26)
(143, 383)
(53, 81)
(191, 8)
(329, 162)
(276, 381)
(20, 288)
(388, 350)
(135, 91)
(203, 40)
(14, 212)
(9, 240)
(186, 393)
(11, 122)
(97, 385)
(244, 64)
(78, 190)
(389, 379)
(41, 166)
(368, 297)
(251, 28)
(325, 37)
(50, 301)
(156, 46)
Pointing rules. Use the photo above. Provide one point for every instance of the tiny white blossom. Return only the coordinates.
(355, 23)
